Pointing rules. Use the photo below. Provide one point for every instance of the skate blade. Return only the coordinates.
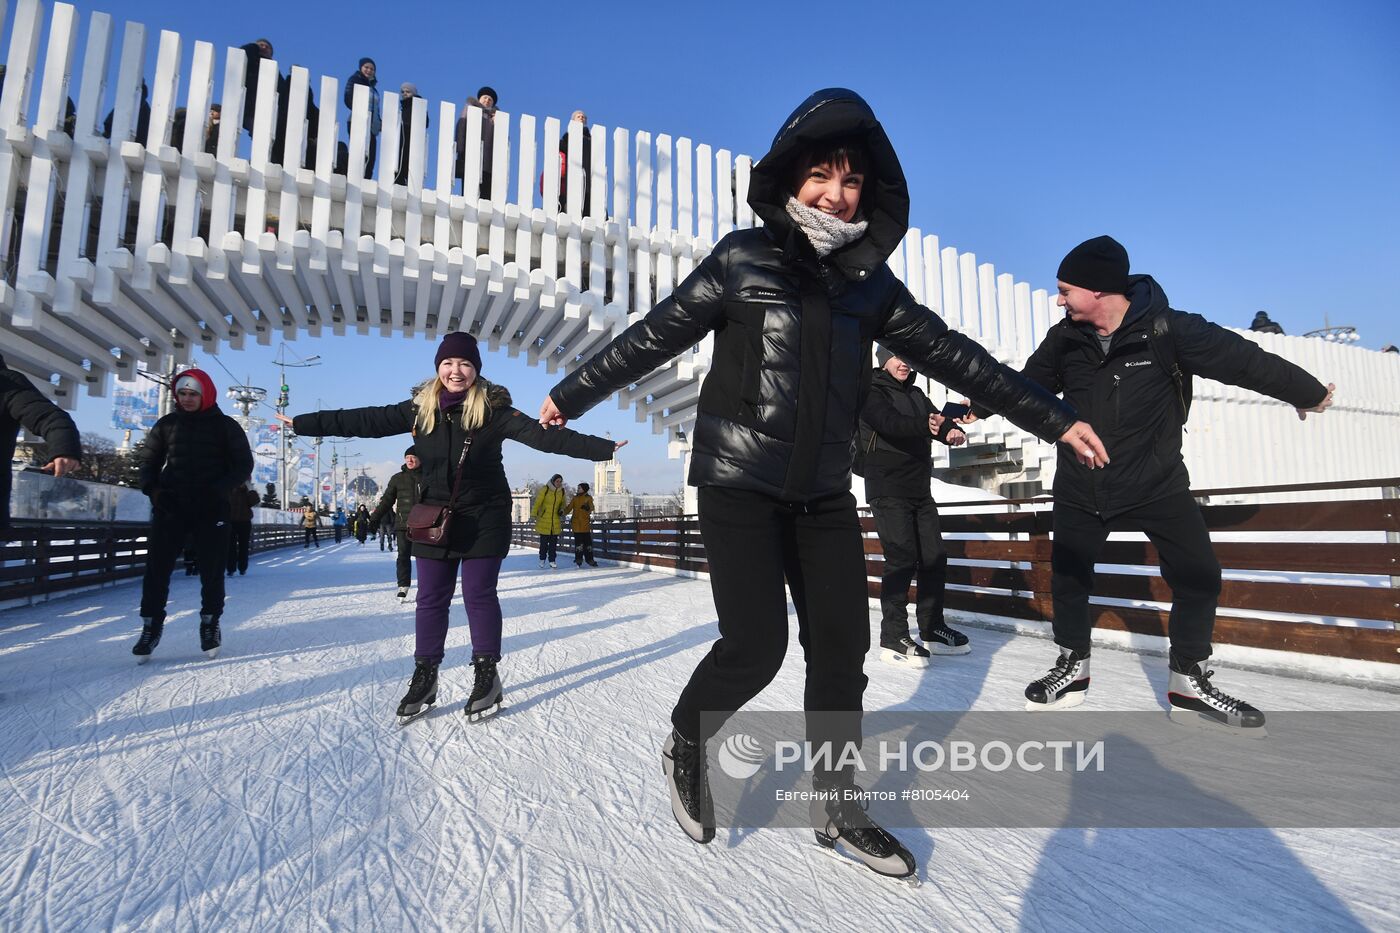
(487, 713)
(1068, 701)
(1191, 719)
(142, 658)
(936, 647)
(411, 717)
(895, 659)
(212, 653)
(834, 849)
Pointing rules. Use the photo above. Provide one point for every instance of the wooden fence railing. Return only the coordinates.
(42, 558)
(999, 564)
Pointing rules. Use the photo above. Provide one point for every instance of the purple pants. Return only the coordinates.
(437, 581)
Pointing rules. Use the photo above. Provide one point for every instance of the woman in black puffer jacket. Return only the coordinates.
(794, 307)
(447, 411)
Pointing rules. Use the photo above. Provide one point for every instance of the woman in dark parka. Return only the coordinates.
(794, 307)
(448, 409)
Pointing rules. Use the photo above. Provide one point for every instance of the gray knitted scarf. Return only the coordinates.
(826, 233)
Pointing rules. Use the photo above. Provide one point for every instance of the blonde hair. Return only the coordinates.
(475, 408)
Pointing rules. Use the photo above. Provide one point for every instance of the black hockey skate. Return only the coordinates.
(485, 700)
(422, 692)
(150, 637)
(1063, 686)
(843, 828)
(904, 653)
(940, 639)
(402, 595)
(209, 636)
(1195, 701)
(687, 779)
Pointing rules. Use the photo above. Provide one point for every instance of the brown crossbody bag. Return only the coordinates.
(428, 523)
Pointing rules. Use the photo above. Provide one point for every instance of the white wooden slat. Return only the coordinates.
(724, 192)
(73, 269)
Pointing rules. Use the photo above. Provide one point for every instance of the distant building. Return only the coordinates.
(520, 501)
(607, 478)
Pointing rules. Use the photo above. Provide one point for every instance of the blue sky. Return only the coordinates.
(1246, 153)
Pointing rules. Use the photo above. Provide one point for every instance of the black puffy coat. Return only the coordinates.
(896, 446)
(1133, 403)
(480, 524)
(22, 405)
(793, 332)
(191, 460)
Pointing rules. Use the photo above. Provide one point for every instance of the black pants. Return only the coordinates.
(309, 538)
(339, 532)
(913, 547)
(1175, 526)
(549, 547)
(755, 544)
(240, 536)
(583, 547)
(386, 537)
(168, 533)
(403, 564)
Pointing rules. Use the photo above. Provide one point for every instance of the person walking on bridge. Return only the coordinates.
(460, 421)
(1123, 357)
(794, 307)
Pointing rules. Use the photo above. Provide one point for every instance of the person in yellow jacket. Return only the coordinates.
(548, 515)
(309, 523)
(580, 510)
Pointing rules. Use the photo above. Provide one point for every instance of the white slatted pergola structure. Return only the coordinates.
(123, 252)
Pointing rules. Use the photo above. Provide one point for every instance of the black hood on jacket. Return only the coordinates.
(833, 113)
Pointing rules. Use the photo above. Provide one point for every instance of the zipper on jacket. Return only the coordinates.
(1117, 404)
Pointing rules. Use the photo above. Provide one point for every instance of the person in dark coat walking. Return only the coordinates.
(1263, 324)
(408, 93)
(254, 53)
(404, 491)
(1123, 357)
(461, 421)
(794, 306)
(898, 427)
(586, 162)
(361, 524)
(193, 459)
(486, 100)
(365, 74)
(241, 501)
(22, 406)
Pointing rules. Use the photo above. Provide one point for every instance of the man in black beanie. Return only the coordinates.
(401, 494)
(1124, 358)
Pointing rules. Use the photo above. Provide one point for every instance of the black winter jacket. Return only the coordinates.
(22, 405)
(480, 524)
(1132, 401)
(192, 460)
(403, 492)
(793, 333)
(896, 446)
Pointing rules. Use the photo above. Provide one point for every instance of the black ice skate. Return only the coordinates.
(422, 692)
(683, 763)
(209, 638)
(150, 637)
(904, 653)
(1063, 686)
(845, 829)
(486, 691)
(1195, 701)
(940, 639)
(403, 594)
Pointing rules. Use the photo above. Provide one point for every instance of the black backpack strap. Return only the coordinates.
(1164, 349)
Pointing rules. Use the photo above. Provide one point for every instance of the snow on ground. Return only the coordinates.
(272, 788)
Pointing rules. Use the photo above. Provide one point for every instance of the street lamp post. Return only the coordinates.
(283, 402)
